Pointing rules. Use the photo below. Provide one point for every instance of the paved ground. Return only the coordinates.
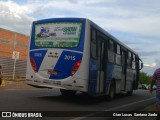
(23, 85)
(16, 85)
(150, 108)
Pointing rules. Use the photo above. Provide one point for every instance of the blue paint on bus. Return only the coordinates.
(38, 57)
(93, 76)
(64, 65)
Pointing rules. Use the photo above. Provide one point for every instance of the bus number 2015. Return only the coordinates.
(68, 57)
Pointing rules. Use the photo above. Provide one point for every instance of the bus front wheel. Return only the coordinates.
(129, 93)
(67, 92)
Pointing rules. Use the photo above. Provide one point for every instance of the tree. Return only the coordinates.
(144, 78)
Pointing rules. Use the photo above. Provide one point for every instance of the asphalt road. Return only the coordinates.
(52, 100)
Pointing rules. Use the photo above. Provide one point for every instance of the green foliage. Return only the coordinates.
(144, 78)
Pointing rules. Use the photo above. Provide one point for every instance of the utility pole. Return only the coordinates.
(15, 55)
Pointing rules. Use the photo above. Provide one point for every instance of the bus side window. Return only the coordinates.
(93, 44)
(133, 61)
(111, 45)
(111, 54)
(118, 49)
(129, 60)
(118, 55)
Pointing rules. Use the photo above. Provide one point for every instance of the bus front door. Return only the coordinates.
(101, 68)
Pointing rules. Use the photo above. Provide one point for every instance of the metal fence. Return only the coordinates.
(8, 70)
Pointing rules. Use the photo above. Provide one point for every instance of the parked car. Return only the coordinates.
(154, 87)
(145, 86)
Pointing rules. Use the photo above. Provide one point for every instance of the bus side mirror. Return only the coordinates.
(140, 64)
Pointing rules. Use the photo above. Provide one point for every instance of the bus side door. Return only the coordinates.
(102, 65)
(124, 65)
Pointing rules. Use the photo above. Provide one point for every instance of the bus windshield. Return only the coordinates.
(58, 34)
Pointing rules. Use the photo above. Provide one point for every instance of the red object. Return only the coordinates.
(33, 64)
(75, 67)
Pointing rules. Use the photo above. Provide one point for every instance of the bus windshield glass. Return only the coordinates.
(58, 34)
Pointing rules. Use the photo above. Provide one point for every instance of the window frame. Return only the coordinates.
(93, 43)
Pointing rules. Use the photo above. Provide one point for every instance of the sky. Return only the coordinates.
(134, 22)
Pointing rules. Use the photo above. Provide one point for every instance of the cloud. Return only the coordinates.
(150, 65)
(110, 14)
(150, 53)
(136, 23)
(73, 1)
(150, 68)
(139, 18)
(146, 25)
(14, 17)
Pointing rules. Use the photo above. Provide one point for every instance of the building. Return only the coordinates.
(9, 43)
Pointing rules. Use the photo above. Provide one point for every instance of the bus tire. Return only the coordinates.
(129, 93)
(67, 92)
(111, 94)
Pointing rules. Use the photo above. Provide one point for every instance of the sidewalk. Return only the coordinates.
(16, 85)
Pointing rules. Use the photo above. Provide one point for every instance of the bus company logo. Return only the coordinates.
(6, 114)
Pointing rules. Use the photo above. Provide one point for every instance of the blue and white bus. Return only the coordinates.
(75, 54)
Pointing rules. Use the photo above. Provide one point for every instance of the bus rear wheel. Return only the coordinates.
(67, 92)
(129, 93)
(111, 95)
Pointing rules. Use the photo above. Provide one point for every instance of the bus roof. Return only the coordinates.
(92, 23)
(112, 37)
(58, 19)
